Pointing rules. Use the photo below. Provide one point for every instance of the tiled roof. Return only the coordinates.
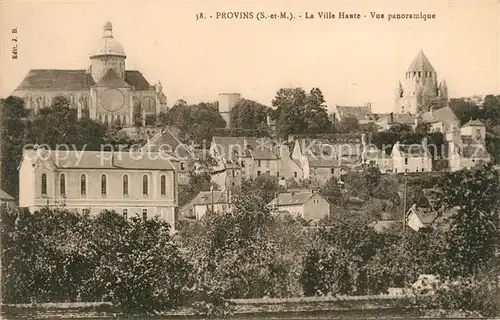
(474, 122)
(259, 148)
(325, 153)
(205, 198)
(112, 80)
(404, 118)
(421, 63)
(72, 80)
(445, 115)
(101, 160)
(292, 198)
(360, 112)
(5, 196)
(166, 141)
(412, 150)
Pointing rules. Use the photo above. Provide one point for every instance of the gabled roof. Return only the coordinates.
(421, 63)
(474, 122)
(166, 141)
(112, 80)
(293, 198)
(403, 118)
(205, 198)
(258, 148)
(412, 150)
(72, 80)
(359, 112)
(445, 115)
(100, 160)
(5, 196)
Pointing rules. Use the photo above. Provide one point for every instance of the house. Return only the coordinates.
(467, 154)
(474, 129)
(128, 183)
(411, 158)
(6, 199)
(182, 156)
(372, 156)
(324, 157)
(362, 113)
(304, 203)
(442, 120)
(216, 201)
(388, 120)
(226, 175)
(255, 156)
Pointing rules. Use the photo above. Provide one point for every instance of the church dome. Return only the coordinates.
(107, 44)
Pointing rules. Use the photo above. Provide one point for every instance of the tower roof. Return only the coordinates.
(107, 44)
(421, 63)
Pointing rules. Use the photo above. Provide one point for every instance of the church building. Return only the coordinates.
(420, 89)
(105, 92)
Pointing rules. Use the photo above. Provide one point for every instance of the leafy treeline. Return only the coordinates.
(55, 126)
(252, 253)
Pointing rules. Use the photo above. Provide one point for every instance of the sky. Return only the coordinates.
(351, 61)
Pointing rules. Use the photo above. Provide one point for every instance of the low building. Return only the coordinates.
(386, 121)
(255, 156)
(442, 120)
(128, 183)
(372, 156)
(362, 113)
(227, 175)
(466, 155)
(322, 158)
(411, 158)
(304, 203)
(205, 201)
(6, 199)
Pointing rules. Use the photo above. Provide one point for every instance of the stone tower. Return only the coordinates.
(226, 103)
(420, 87)
(109, 54)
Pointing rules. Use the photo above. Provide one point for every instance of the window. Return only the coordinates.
(277, 173)
(125, 213)
(234, 173)
(422, 169)
(295, 174)
(104, 186)
(182, 165)
(62, 184)
(406, 170)
(268, 163)
(144, 214)
(145, 185)
(242, 164)
(258, 173)
(332, 170)
(163, 185)
(258, 163)
(406, 161)
(416, 169)
(125, 185)
(86, 211)
(83, 184)
(478, 133)
(44, 184)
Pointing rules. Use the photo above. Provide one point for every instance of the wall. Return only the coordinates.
(101, 64)
(472, 131)
(316, 208)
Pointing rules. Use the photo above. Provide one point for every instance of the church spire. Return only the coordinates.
(421, 63)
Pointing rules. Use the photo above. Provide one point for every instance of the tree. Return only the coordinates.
(197, 182)
(474, 227)
(13, 127)
(491, 110)
(298, 112)
(331, 191)
(465, 109)
(349, 124)
(248, 114)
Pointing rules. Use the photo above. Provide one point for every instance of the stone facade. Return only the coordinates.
(105, 92)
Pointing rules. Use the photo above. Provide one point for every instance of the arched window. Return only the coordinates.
(163, 185)
(62, 184)
(103, 184)
(125, 185)
(145, 185)
(83, 184)
(44, 183)
(105, 119)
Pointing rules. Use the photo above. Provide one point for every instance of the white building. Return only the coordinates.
(304, 203)
(411, 158)
(128, 183)
(205, 201)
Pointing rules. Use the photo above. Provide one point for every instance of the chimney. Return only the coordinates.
(391, 117)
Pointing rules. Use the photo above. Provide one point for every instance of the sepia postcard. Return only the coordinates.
(249, 159)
